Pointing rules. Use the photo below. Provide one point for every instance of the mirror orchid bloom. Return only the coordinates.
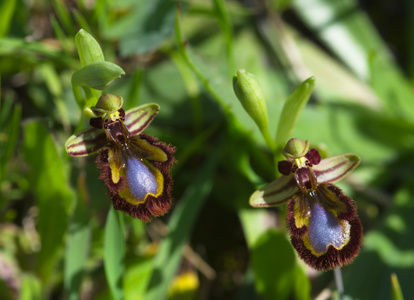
(322, 221)
(135, 166)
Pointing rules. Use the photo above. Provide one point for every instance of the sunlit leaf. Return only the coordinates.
(77, 246)
(180, 226)
(274, 264)
(114, 251)
(53, 197)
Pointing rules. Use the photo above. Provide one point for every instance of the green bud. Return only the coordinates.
(248, 90)
(98, 75)
(295, 148)
(88, 48)
(107, 103)
(292, 109)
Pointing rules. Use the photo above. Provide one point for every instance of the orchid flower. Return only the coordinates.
(323, 223)
(135, 166)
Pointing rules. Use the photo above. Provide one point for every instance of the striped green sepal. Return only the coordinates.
(137, 119)
(335, 168)
(86, 142)
(275, 193)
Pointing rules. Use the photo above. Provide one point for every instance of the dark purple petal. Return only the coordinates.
(284, 167)
(96, 122)
(313, 156)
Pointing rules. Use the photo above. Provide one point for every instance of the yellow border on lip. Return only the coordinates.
(125, 191)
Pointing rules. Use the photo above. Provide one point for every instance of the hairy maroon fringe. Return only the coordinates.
(154, 206)
(333, 257)
(290, 218)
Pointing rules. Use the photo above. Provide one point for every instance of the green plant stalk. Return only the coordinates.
(276, 154)
(192, 89)
(226, 27)
(181, 47)
(339, 283)
(269, 140)
(91, 99)
(396, 293)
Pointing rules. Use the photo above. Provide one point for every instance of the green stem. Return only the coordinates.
(272, 146)
(269, 140)
(182, 48)
(90, 97)
(339, 283)
(78, 95)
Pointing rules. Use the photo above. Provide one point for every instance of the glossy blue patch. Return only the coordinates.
(325, 229)
(140, 179)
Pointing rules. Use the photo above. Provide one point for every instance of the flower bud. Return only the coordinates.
(88, 48)
(295, 148)
(97, 75)
(248, 90)
(107, 103)
(292, 109)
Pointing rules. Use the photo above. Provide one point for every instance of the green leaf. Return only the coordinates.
(274, 264)
(150, 24)
(114, 251)
(77, 245)
(136, 279)
(180, 226)
(223, 18)
(11, 124)
(292, 110)
(253, 222)
(64, 16)
(53, 197)
(6, 14)
(302, 288)
(98, 75)
(354, 39)
(396, 293)
(31, 288)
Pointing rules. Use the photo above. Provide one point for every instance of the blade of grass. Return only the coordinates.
(396, 293)
(6, 14)
(78, 243)
(54, 85)
(180, 225)
(352, 37)
(223, 18)
(8, 147)
(53, 197)
(83, 23)
(64, 17)
(31, 288)
(60, 34)
(114, 251)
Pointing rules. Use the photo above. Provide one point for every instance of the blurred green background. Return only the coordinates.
(59, 237)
